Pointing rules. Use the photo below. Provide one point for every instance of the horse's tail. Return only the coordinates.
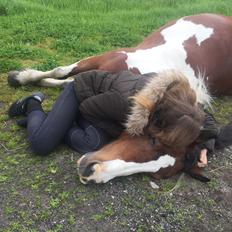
(224, 138)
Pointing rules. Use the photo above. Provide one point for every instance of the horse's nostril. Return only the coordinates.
(86, 170)
(84, 180)
(89, 169)
(85, 166)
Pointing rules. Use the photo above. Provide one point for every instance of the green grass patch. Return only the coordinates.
(44, 194)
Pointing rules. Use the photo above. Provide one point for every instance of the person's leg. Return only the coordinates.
(85, 137)
(46, 132)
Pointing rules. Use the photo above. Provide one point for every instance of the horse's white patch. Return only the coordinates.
(50, 82)
(110, 169)
(32, 75)
(172, 55)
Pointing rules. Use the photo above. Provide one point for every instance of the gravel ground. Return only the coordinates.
(44, 194)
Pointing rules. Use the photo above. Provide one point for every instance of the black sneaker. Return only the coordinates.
(22, 122)
(19, 106)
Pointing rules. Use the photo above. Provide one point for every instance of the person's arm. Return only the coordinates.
(87, 84)
(107, 111)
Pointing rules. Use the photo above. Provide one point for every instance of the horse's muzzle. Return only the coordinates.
(85, 167)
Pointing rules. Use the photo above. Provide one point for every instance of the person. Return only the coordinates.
(89, 113)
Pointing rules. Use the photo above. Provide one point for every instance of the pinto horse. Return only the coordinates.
(198, 46)
(159, 150)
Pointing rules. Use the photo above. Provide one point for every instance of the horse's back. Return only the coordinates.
(214, 57)
(198, 45)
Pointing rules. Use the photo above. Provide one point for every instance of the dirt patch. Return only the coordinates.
(45, 194)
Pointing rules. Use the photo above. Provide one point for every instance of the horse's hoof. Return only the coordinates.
(12, 79)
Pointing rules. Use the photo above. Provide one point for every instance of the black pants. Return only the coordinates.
(63, 123)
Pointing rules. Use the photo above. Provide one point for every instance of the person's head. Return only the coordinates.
(176, 121)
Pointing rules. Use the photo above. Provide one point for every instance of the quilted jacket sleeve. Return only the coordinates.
(107, 111)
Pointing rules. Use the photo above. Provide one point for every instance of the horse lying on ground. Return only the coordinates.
(168, 144)
(198, 46)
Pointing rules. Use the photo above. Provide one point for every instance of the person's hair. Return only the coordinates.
(176, 120)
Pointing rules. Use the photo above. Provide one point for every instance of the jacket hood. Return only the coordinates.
(145, 100)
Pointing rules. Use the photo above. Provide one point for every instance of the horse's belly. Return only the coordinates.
(164, 57)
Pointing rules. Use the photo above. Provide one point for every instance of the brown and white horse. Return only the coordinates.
(199, 46)
(173, 129)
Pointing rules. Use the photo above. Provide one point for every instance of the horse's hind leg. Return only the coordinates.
(110, 61)
(51, 82)
(17, 78)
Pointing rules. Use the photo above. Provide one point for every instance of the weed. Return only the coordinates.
(108, 212)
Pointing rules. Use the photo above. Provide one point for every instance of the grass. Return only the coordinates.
(44, 194)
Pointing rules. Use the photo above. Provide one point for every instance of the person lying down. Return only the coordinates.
(89, 113)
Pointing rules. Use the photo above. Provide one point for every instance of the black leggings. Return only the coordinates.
(63, 123)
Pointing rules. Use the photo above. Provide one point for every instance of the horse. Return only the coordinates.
(199, 46)
(173, 130)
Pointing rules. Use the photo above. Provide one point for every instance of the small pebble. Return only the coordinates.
(154, 185)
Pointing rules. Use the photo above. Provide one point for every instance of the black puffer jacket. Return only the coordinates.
(104, 97)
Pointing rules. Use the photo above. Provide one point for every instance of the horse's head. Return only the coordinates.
(125, 156)
(174, 123)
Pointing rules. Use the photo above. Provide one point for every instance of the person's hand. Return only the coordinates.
(203, 159)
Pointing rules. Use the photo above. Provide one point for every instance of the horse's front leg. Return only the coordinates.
(51, 82)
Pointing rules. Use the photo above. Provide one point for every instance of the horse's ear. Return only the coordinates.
(196, 173)
(190, 164)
